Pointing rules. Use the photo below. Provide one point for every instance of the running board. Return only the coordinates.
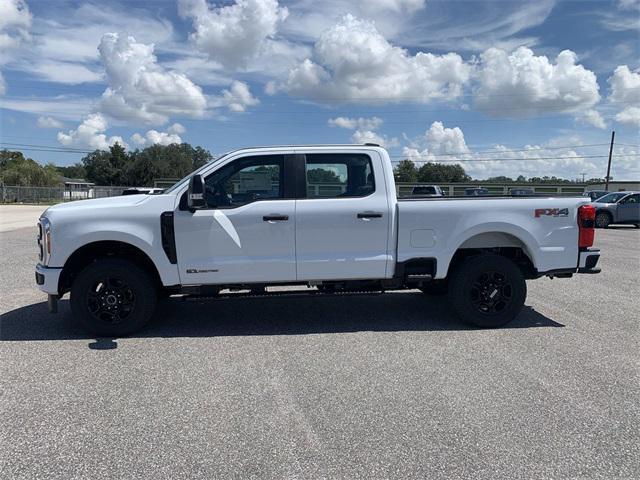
(282, 294)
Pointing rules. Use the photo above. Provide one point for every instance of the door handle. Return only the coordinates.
(275, 218)
(370, 215)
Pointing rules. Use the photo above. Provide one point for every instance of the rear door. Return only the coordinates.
(629, 209)
(342, 226)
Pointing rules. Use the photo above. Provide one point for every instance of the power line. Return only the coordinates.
(567, 147)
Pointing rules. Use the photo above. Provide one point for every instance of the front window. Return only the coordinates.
(246, 180)
(612, 197)
(185, 180)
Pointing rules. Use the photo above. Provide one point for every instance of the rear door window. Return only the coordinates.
(333, 175)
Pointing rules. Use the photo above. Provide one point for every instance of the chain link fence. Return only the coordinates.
(50, 195)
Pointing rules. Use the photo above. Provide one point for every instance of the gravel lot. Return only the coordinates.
(388, 386)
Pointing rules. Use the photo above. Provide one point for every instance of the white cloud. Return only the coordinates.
(372, 123)
(153, 137)
(176, 128)
(521, 84)
(49, 122)
(233, 34)
(369, 136)
(353, 62)
(592, 117)
(90, 134)
(563, 157)
(142, 90)
(15, 20)
(630, 116)
(67, 107)
(625, 90)
(437, 140)
(238, 97)
(65, 39)
(408, 6)
(364, 130)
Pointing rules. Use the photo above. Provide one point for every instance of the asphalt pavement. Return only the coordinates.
(387, 386)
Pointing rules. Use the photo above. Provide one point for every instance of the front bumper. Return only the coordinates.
(47, 279)
(588, 260)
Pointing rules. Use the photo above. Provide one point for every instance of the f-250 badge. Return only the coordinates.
(551, 212)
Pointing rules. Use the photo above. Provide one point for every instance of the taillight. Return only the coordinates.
(586, 224)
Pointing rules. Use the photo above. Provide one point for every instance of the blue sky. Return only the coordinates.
(508, 87)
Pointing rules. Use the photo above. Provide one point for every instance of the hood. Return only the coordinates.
(97, 203)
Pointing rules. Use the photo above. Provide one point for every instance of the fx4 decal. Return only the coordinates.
(551, 212)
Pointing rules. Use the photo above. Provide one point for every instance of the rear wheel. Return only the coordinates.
(113, 297)
(603, 219)
(487, 290)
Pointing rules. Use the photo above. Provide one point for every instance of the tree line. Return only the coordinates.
(115, 166)
(406, 171)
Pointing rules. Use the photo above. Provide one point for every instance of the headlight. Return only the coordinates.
(44, 240)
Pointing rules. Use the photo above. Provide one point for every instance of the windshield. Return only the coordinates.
(185, 180)
(612, 197)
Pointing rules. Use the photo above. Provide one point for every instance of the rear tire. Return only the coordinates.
(487, 290)
(603, 219)
(113, 297)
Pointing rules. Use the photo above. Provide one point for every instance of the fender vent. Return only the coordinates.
(168, 236)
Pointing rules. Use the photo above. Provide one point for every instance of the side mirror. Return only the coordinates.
(195, 195)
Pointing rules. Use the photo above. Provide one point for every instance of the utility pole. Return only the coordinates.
(583, 174)
(606, 180)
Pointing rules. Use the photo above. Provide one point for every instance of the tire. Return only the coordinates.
(487, 290)
(113, 297)
(603, 219)
(435, 287)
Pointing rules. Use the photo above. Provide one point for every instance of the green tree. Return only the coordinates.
(15, 169)
(442, 173)
(406, 172)
(72, 171)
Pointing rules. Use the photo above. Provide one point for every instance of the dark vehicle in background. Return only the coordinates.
(618, 208)
(476, 192)
(140, 190)
(427, 191)
(521, 191)
(595, 194)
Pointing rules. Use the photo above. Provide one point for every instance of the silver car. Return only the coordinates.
(618, 207)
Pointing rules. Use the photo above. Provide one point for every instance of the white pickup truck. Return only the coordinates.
(325, 218)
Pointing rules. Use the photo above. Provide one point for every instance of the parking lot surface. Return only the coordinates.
(388, 386)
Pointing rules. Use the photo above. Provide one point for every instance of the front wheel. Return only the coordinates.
(487, 290)
(113, 297)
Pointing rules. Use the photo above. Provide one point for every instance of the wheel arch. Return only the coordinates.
(85, 255)
(498, 242)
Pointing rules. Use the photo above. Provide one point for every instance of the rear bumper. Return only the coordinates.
(47, 279)
(588, 260)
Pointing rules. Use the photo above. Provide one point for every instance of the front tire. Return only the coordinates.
(113, 297)
(487, 290)
(603, 219)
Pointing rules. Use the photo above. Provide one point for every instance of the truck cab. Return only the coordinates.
(325, 218)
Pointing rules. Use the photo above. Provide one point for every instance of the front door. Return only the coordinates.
(247, 233)
(629, 209)
(342, 225)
